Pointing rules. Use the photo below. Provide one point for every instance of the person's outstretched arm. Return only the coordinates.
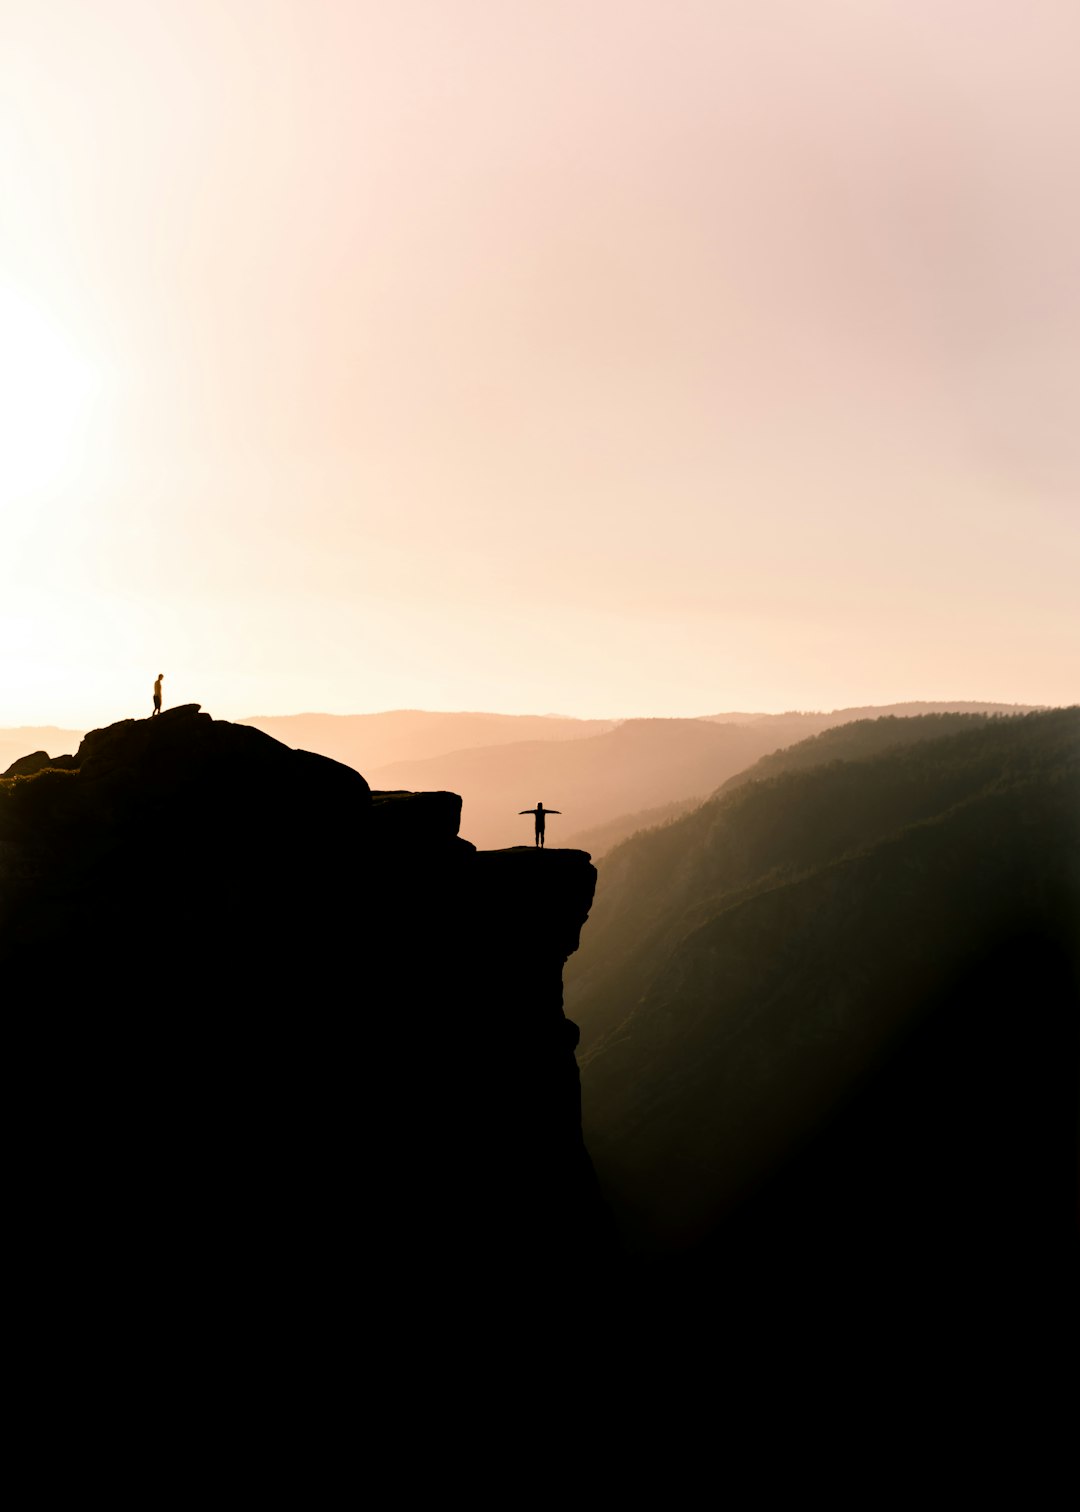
(532, 811)
(553, 811)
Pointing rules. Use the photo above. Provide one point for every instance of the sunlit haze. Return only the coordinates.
(608, 357)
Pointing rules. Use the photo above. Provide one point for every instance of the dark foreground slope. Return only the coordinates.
(287, 1053)
(831, 1030)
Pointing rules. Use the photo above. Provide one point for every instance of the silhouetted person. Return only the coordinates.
(157, 694)
(540, 813)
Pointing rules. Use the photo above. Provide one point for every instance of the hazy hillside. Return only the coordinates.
(852, 742)
(368, 741)
(605, 779)
(749, 830)
(843, 742)
(749, 968)
(638, 765)
(602, 838)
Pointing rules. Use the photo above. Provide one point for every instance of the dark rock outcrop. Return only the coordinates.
(37, 761)
(25, 766)
(278, 1034)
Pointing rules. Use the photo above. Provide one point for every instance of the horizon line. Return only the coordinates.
(974, 703)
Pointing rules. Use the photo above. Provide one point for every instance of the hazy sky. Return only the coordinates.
(600, 356)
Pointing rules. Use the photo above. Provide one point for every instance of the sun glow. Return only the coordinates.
(46, 391)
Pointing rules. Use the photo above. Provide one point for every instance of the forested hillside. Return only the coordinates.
(752, 968)
(863, 737)
(601, 838)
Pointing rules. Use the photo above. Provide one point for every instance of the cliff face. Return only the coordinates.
(274, 1031)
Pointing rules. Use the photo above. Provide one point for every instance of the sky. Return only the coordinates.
(601, 357)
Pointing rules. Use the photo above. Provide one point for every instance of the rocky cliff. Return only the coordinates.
(281, 1042)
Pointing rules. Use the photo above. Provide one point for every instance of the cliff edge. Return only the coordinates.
(275, 1033)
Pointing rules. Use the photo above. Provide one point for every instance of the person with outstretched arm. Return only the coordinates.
(539, 813)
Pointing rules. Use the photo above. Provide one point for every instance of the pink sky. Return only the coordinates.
(598, 356)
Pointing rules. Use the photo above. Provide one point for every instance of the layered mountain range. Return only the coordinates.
(607, 778)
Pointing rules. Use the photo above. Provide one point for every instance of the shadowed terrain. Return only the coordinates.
(276, 1031)
(831, 1022)
(274, 1027)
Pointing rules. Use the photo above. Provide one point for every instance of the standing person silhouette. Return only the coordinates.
(540, 813)
(157, 694)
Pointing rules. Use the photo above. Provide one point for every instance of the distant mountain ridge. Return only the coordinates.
(639, 763)
(608, 777)
(842, 742)
(368, 741)
(875, 711)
